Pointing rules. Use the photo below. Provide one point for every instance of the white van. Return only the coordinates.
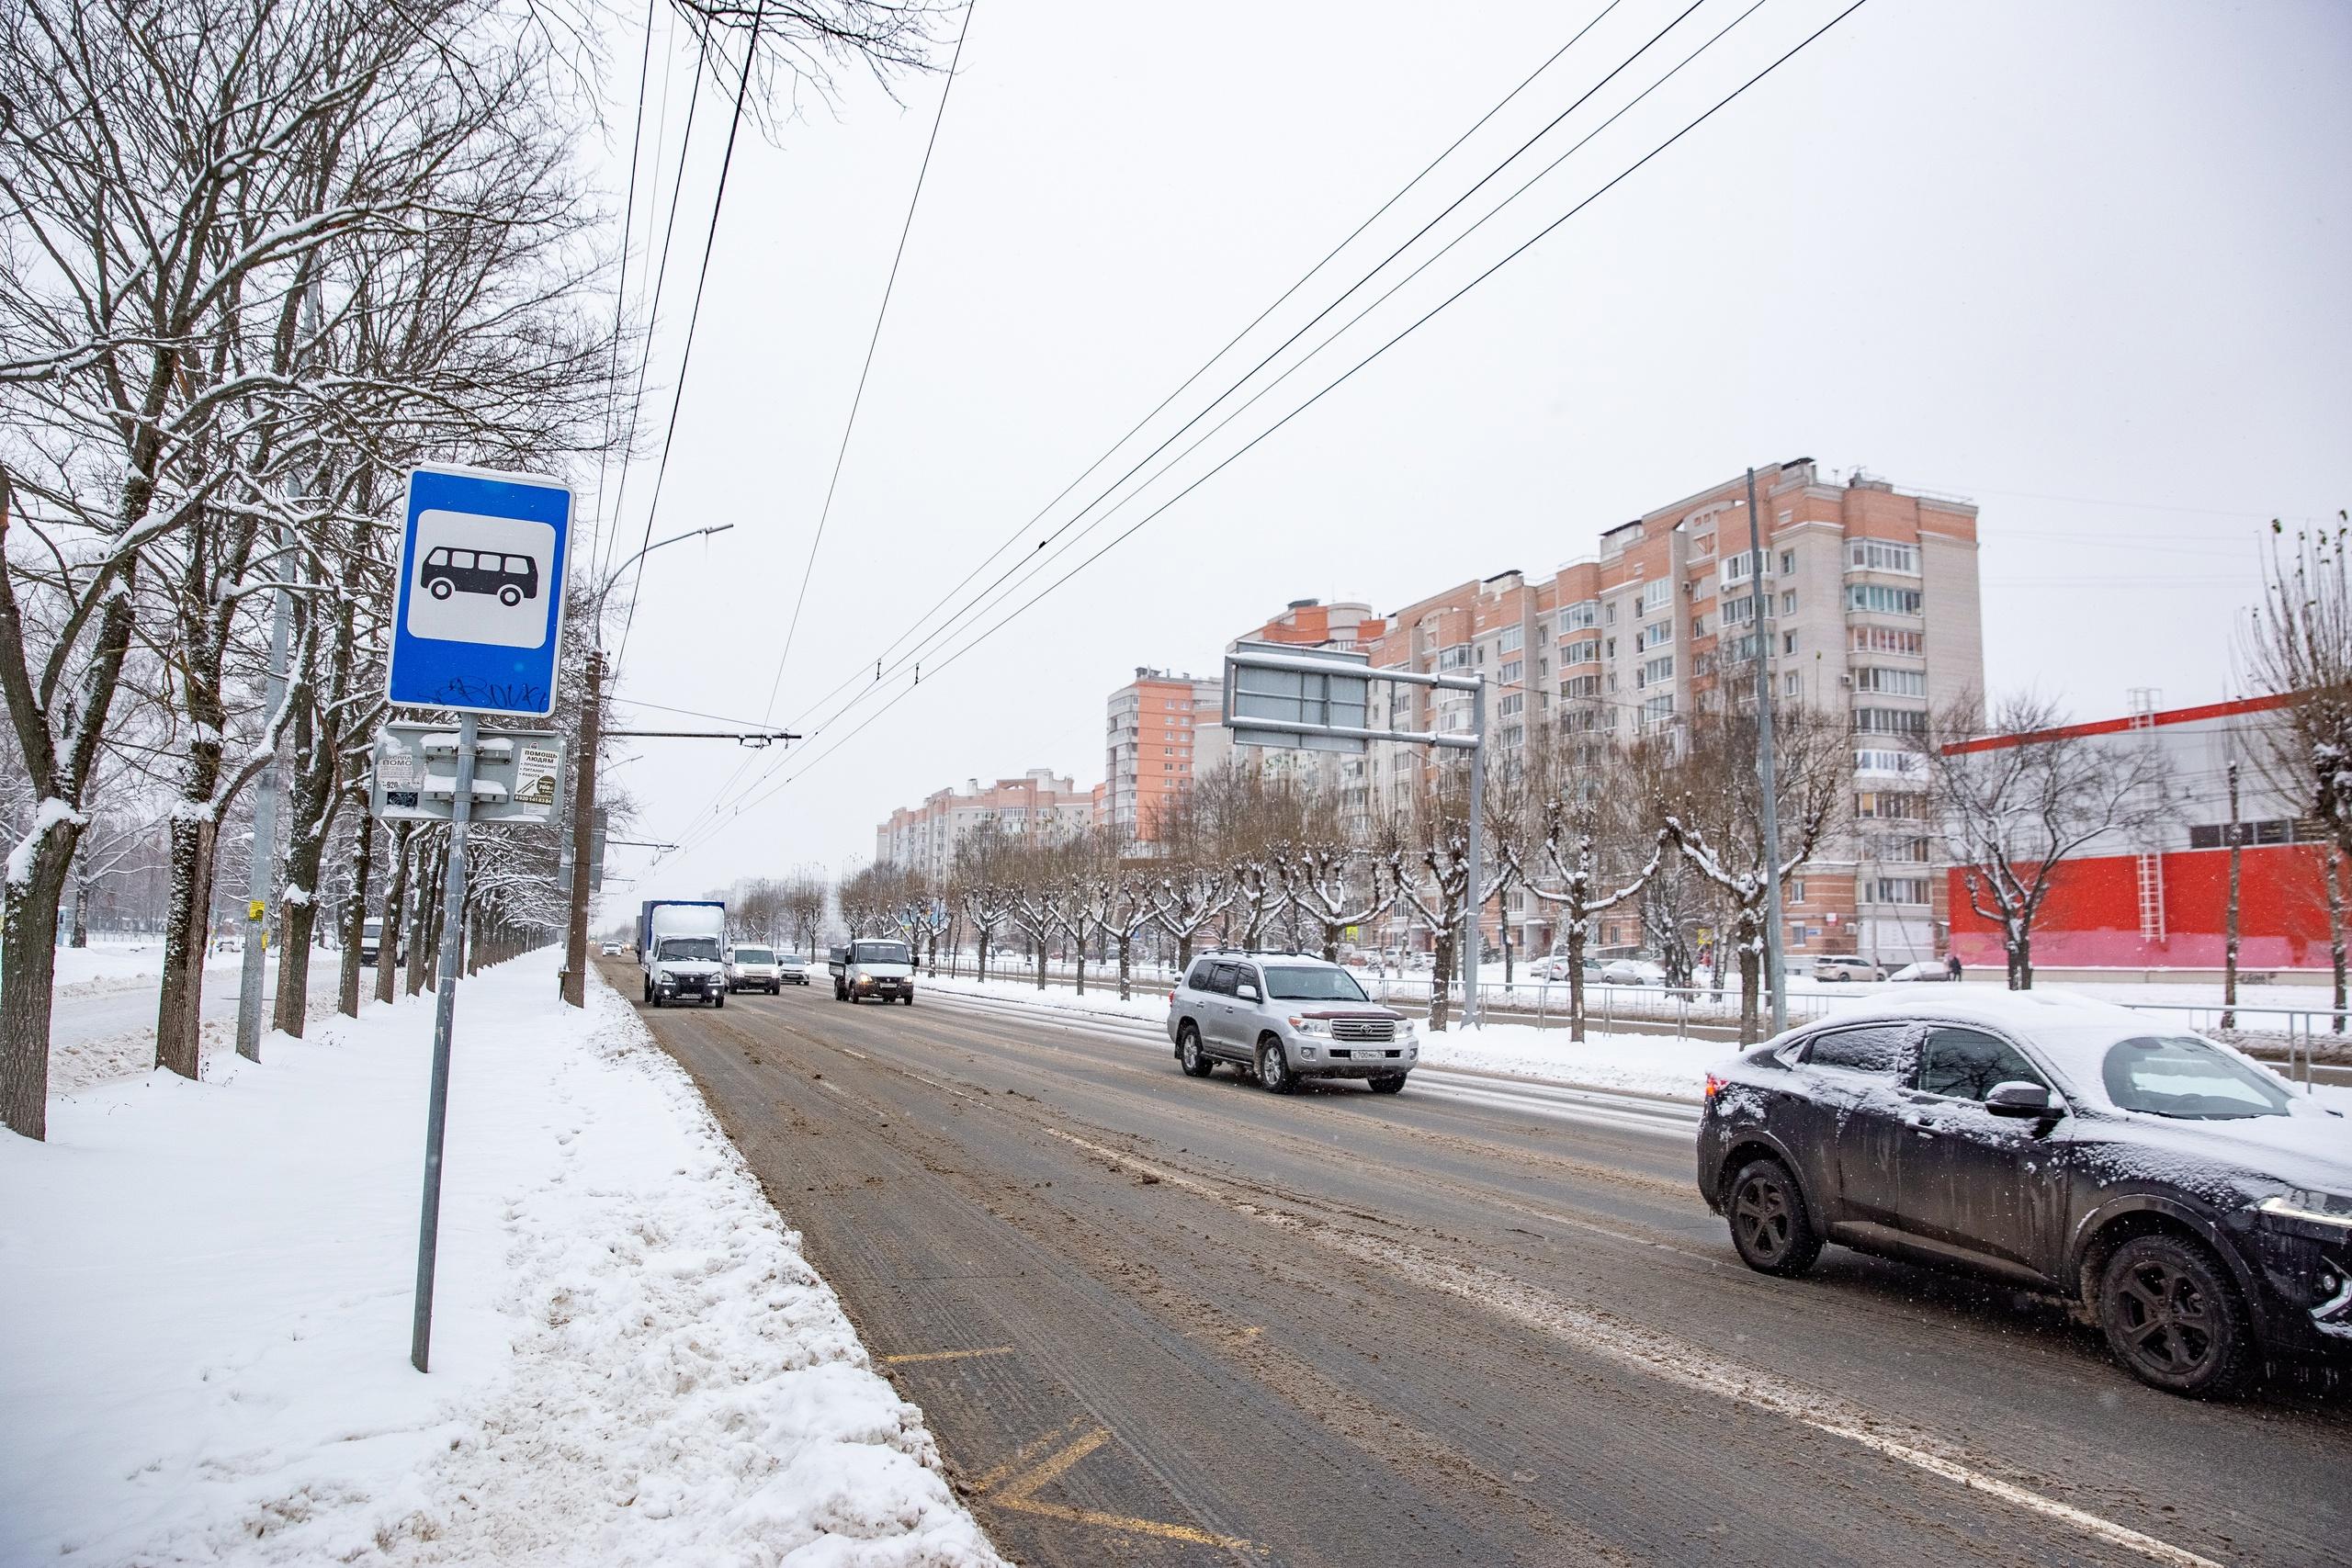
(876, 971)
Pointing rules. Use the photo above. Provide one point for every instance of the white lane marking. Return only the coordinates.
(1639, 1348)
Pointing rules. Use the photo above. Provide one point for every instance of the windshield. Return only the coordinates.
(2183, 1076)
(878, 952)
(792, 958)
(753, 955)
(1288, 985)
(677, 948)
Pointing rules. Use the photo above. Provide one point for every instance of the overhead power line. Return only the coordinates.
(1416, 325)
(620, 289)
(694, 316)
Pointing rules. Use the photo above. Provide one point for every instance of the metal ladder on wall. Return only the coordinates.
(2151, 861)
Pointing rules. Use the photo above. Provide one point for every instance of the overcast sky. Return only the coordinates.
(2083, 263)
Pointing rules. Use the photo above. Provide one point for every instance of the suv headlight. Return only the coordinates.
(1320, 1027)
(2303, 1209)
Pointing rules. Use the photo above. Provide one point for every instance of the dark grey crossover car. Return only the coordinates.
(2193, 1205)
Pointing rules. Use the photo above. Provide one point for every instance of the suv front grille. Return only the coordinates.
(1364, 1029)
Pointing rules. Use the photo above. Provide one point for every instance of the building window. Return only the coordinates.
(1789, 602)
(1657, 711)
(1796, 890)
(1655, 595)
(1543, 669)
(1904, 764)
(1698, 626)
(1888, 639)
(1580, 686)
(1509, 641)
(1656, 672)
(1879, 599)
(1789, 643)
(1511, 736)
(1510, 674)
(1511, 706)
(1788, 562)
(1657, 633)
(1454, 658)
(1738, 567)
(1608, 613)
(1902, 890)
(1585, 650)
(1892, 682)
(1539, 633)
(1792, 684)
(1890, 806)
(1890, 721)
(1880, 555)
(1580, 617)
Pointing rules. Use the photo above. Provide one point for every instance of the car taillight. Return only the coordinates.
(1715, 1086)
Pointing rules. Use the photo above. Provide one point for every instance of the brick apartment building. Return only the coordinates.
(2159, 902)
(924, 838)
(1162, 732)
(1871, 613)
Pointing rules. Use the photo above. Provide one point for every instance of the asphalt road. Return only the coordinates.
(1160, 1320)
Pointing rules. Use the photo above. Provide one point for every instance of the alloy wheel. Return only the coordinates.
(2168, 1324)
(1760, 1210)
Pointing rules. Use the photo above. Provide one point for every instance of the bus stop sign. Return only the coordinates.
(479, 621)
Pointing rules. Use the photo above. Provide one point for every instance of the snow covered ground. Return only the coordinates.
(207, 1288)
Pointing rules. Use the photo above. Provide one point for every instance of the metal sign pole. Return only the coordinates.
(1470, 1008)
(261, 862)
(444, 1003)
(1767, 786)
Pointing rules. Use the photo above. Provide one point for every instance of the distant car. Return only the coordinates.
(1284, 1018)
(1846, 967)
(2198, 1210)
(1925, 969)
(792, 968)
(611, 949)
(752, 969)
(1631, 971)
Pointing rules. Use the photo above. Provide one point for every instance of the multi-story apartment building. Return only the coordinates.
(1870, 613)
(924, 838)
(1149, 759)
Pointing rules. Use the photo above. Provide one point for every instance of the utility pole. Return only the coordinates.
(264, 849)
(1471, 1012)
(583, 790)
(1764, 765)
(2230, 932)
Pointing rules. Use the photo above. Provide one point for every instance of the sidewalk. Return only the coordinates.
(208, 1285)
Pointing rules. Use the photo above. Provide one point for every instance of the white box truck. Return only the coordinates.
(681, 947)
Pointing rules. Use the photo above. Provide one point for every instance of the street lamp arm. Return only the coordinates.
(615, 576)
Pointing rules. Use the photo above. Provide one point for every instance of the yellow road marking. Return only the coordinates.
(912, 1357)
(1060, 1451)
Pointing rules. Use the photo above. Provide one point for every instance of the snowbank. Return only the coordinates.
(208, 1291)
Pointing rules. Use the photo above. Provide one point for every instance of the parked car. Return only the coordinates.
(1846, 967)
(1285, 1018)
(2182, 1195)
(1925, 969)
(1631, 971)
(876, 971)
(753, 969)
(793, 968)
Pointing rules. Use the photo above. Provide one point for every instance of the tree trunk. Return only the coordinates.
(80, 937)
(354, 922)
(394, 918)
(1038, 946)
(983, 936)
(1751, 975)
(2025, 962)
(314, 800)
(28, 970)
(1441, 978)
(2335, 931)
(1126, 943)
(421, 923)
(187, 929)
(1576, 978)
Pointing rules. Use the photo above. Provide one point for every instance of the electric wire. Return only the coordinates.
(1506, 260)
(857, 399)
(1230, 345)
(693, 317)
(620, 289)
(990, 599)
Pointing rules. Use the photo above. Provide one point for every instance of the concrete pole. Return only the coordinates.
(1765, 778)
(1470, 1008)
(264, 851)
(583, 824)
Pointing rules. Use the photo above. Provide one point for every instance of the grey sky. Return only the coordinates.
(2084, 262)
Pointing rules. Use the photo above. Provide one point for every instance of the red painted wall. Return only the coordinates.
(2092, 919)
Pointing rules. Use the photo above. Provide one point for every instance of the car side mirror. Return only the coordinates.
(2019, 1099)
(1246, 992)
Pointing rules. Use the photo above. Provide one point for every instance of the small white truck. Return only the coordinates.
(681, 947)
(876, 971)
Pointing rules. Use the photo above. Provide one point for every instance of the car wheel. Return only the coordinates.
(1274, 1068)
(1393, 1083)
(1195, 1061)
(908, 998)
(720, 1000)
(1769, 1224)
(2173, 1318)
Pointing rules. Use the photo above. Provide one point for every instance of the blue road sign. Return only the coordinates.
(479, 622)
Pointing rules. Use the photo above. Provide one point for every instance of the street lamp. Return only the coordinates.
(584, 787)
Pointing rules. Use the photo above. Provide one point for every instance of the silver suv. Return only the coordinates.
(1286, 1018)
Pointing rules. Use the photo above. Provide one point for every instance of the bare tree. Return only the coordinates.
(1600, 850)
(2296, 646)
(2018, 804)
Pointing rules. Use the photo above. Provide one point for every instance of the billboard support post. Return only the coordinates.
(1318, 701)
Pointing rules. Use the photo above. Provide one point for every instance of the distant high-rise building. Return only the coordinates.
(924, 838)
(1871, 613)
(1149, 752)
